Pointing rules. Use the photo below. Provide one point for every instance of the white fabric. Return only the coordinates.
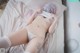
(46, 14)
(14, 17)
(5, 42)
(33, 4)
(27, 52)
(8, 40)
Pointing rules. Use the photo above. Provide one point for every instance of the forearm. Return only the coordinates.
(31, 18)
(52, 27)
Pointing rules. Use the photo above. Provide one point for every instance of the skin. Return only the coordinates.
(21, 36)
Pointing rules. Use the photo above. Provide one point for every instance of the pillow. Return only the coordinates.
(60, 8)
(33, 4)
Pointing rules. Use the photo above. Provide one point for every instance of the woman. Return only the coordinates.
(40, 23)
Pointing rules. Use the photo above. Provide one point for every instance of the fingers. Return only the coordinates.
(38, 10)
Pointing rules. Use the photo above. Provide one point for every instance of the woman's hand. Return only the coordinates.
(33, 16)
(38, 10)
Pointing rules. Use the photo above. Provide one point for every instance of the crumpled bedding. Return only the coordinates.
(15, 16)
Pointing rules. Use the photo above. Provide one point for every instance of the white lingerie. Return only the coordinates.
(45, 14)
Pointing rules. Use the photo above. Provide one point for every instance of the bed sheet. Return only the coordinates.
(15, 16)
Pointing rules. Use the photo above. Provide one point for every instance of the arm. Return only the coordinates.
(33, 16)
(53, 25)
